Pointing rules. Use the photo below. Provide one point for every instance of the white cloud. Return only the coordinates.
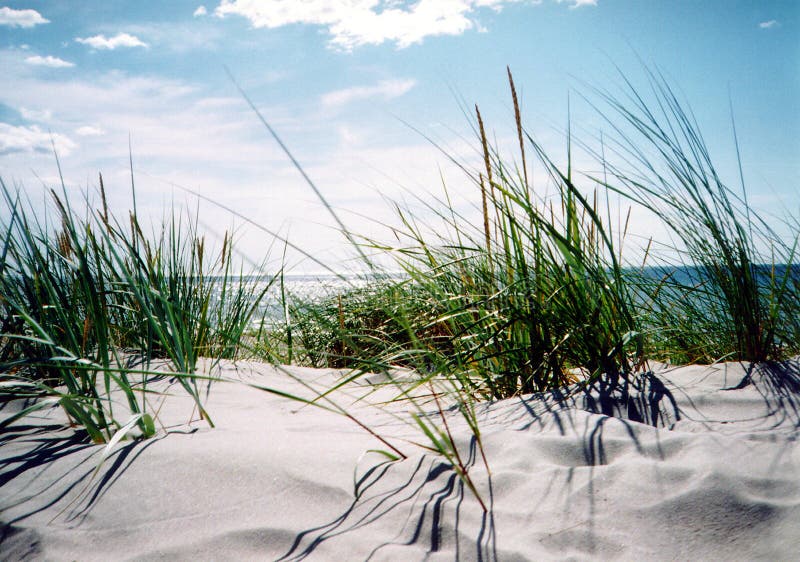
(52, 62)
(212, 145)
(15, 139)
(35, 114)
(578, 3)
(20, 18)
(89, 131)
(178, 37)
(768, 24)
(111, 43)
(365, 22)
(387, 89)
(200, 11)
(172, 126)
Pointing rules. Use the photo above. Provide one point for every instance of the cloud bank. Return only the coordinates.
(21, 18)
(89, 131)
(111, 43)
(51, 62)
(36, 114)
(387, 89)
(366, 22)
(578, 3)
(32, 139)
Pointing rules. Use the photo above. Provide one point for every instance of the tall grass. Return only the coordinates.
(740, 300)
(538, 293)
(83, 300)
(519, 302)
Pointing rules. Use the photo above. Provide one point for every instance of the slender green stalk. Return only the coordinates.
(78, 302)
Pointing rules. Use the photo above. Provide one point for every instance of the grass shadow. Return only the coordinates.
(426, 493)
(79, 482)
(778, 383)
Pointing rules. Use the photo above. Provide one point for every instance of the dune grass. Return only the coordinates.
(741, 293)
(541, 292)
(86, 304)
(544, 290)
(547, 289)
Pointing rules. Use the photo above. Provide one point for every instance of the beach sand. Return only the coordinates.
(694, 465)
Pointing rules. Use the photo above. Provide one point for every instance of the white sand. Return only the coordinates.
(686, 471)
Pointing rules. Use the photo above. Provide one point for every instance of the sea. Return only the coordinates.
(317, 286)
(303, 288)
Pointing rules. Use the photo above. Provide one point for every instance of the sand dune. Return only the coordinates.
(699, 463)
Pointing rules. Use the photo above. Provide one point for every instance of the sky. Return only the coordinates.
(357, 89)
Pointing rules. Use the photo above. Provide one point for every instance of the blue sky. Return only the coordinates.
(338, 80)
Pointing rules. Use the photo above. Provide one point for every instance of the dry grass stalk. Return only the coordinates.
(485, 145)
(485, 207)
(105, 202)
(518, 121)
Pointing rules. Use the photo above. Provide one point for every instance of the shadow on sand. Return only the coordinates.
(432, 497)
(78, 486)
(429, 495)
(778, 383)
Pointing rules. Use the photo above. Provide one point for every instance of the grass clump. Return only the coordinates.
(543, 290)
(520, 302)
(730, 291)
(84, 301)
(356, 326)
(537, 293)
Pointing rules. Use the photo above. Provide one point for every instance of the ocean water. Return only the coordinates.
(302, 288)
(692, 275)
(305, 287)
